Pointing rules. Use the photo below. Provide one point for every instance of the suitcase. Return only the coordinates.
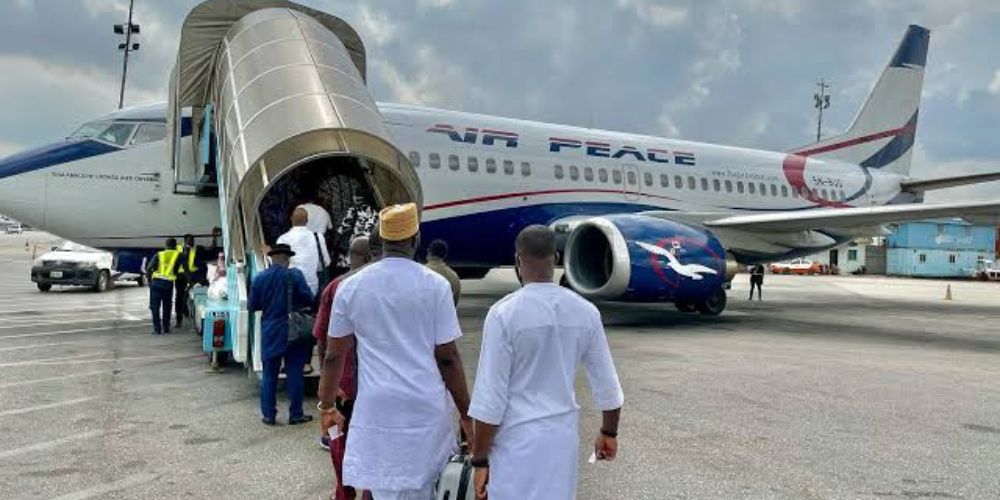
(456, 481)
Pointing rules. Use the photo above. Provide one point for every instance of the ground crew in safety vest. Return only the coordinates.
(185, 271)
(162, 272)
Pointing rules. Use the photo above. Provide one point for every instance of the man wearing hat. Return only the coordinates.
(269, 293)
(403, 322)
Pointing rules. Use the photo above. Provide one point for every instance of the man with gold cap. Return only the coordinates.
(403, 321)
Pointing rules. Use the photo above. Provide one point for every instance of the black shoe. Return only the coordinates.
(154, 332)
(300, 420)
(270, 422)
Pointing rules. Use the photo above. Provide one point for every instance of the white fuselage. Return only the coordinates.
(478, 174)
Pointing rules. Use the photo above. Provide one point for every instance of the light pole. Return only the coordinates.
(822, 99)
(128, 30)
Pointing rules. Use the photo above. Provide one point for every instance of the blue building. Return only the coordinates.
(939, 248)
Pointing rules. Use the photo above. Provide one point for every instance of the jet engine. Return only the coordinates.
(637, 258)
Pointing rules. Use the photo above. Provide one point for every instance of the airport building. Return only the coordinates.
(938, 248)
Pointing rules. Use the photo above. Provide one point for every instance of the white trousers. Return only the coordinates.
(426, 493)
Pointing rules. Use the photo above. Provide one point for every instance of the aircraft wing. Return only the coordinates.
(848, 218)
(921, 185)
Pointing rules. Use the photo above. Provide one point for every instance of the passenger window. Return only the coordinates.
(602, 174)
(434, 160)
(729, 186)
(473, 163)
(692, 184)
(648, 178)
(704, 184)
(491, 166)
(664, 180)
(824, 194)
(525, 168)
(574, 173)
(630, 175)
(149, 132)
(559, 171)
(415, 159)
(678, 182)
(739, 187)
(508, 167)
(616, 175)
(784, 192)
(774, 190)
(588, 174)
(751, 188)
(842, 196)
(763, 189)
(716, 185)
(117, 133)
(453, 162)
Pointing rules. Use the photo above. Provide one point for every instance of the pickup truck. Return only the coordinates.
(73, 264)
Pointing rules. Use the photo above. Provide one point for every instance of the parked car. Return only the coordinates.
(73, 264)
(14, 228)
(797, 266)
(986, 270)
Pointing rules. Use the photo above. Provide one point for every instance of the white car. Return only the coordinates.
(74, 264)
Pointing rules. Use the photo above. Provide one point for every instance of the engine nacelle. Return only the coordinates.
(637, 258)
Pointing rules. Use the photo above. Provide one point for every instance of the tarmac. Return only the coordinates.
(831, 387)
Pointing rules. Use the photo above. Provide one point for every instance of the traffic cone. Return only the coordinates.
(947, 292)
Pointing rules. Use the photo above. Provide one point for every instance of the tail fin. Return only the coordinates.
(882, 133)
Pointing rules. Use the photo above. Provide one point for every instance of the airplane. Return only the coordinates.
(123, 182)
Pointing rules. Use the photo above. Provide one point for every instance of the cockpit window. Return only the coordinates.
(149, 132)
(89, 130)
(113, 132)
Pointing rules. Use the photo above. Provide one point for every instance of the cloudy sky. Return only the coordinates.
(736, 72)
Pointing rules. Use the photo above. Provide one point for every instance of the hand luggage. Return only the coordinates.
(456, 481)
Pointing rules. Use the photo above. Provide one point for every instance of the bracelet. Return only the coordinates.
(610, 434)
(479, 462)
(319, 407)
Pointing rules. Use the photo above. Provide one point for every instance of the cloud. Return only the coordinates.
(435, 4)
(994, 86)
(9, 148)
(376, 26)
(657, 14)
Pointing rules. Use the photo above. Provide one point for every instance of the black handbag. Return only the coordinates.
(300, 321)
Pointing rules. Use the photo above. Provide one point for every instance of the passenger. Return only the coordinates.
(185, 277)
(533, 340)
(319, 218)
(756, 280)
(360, 253)
(437, 252)
(358, 220)
(269, 293)
(404, 325)
(162, 273)
(310, 255)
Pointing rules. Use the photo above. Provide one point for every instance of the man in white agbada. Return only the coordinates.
(308, 247)
(319, 218)
(524, 407)
(403, 321)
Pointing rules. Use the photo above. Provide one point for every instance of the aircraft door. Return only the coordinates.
(631, 183)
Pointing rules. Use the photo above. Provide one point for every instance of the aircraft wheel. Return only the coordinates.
(44, 287)
(685, 307)
(714, 304)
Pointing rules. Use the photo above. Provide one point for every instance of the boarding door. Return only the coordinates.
(631, 184)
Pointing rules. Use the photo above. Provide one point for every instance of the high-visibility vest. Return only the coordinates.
(190, 267)
(166, 260)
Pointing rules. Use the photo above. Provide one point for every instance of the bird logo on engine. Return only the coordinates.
(693, 271)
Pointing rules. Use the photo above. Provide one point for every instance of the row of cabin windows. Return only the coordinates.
(490, 165)
(694, 183)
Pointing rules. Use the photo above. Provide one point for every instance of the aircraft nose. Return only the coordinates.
(22, 176)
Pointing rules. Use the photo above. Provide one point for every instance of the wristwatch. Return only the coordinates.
(328, 409)
(479, 462)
